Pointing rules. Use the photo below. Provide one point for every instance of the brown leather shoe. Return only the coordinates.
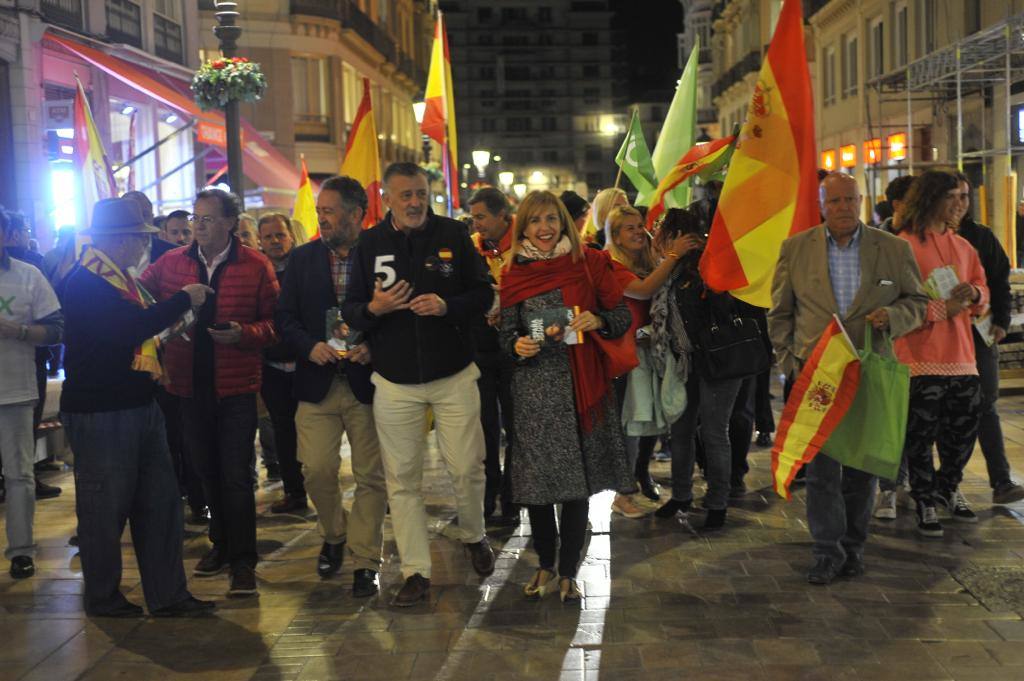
(482, 557)
(415, 589)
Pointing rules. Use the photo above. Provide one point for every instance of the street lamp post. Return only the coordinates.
(228, 33)
(481, 159)
(418, 109)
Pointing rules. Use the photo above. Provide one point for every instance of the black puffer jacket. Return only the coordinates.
(997, 268)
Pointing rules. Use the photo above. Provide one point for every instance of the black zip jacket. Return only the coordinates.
(437, 258)
(997, 268)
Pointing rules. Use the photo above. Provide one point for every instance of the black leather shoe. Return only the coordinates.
(671, 507)
(853, 567)
(242, 581)
(763, 439)
(415, 589)
(822, 572)
(124, 611)
(714, 520)
(329, 561)
(364, 583)
(289, 504)
(22, 567)
(190, 607)
(44, 491)
(213, 563)
(482, 556)
(649, 489)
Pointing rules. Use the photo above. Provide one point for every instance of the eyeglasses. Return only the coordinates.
(204, 220)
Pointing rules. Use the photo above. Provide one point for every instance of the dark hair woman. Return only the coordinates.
(568, 440)
(945, 393)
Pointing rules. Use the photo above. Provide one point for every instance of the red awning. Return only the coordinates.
(263, 163)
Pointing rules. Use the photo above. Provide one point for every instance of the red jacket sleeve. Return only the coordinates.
(151, 278)
(260, 333)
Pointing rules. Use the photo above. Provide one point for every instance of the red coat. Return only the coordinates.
(246, 293)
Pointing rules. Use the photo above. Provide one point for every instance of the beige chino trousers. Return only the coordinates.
(400, 411)
(320, 427)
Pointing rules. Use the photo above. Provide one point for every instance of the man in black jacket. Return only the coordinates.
(334, 392)
(416, 288)
(997, 275)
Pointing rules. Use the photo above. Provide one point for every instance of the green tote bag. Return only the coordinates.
(870, 436)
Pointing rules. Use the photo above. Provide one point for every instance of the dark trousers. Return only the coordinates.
(741, 429)
(943, 410)
(573, 528)
(990, 430)
(495, 384)
(123, 472)
(764, 419)
(281, 404)
(220, 434)
(839, 501)
(184, 472)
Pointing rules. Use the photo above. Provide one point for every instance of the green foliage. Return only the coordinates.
(221, 80)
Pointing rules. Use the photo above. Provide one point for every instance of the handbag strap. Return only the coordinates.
(869, 332)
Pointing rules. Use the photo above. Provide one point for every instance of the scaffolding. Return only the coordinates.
(990, 59)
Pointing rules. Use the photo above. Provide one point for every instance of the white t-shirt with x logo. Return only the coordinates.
(25, 297)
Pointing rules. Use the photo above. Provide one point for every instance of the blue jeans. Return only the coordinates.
(839, 502)
(220, 435)
(712, 402)
(123, 472)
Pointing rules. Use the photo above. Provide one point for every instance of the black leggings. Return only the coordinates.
(573, 531)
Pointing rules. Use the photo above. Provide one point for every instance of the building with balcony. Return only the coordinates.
(315, 54)
(538, 84)
(697, 16)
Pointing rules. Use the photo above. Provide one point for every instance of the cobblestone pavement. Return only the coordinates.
(662, 602)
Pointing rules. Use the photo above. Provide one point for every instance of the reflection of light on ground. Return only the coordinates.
(595, 580)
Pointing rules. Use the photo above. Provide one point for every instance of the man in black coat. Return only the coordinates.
(332, 385)
(997, 274)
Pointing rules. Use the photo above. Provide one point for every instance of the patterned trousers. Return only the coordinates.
(944, 410)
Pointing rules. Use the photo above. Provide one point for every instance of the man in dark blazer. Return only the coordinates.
(332, 385)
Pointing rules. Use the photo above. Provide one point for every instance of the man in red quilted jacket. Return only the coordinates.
(215, 369)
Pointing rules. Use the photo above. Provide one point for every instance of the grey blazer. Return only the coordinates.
(803, 302)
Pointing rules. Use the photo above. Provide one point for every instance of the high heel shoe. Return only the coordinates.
(539, 584)
(568, 590)
(649, 489)
(671, 507)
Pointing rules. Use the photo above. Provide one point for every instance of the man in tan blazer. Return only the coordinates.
(865, 276)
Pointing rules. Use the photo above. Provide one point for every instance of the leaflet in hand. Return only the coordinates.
(178, 328)
(340, 336)
(552, 325)
(941, 282)
(983, 325)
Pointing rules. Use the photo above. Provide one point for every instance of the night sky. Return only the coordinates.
(649, 29)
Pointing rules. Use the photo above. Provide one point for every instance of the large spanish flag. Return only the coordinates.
(304, 210)
(822, 394)
(97, 177)
(770, 192)
(439, 115)
(362, 157)
(704, 160)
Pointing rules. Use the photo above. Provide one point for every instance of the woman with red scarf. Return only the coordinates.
(568, 440)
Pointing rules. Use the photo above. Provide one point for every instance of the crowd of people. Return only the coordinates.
(549, 346)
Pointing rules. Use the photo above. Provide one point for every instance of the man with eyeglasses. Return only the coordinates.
(332, 384)
(215, 368)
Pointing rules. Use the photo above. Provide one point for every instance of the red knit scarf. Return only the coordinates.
(588, 284)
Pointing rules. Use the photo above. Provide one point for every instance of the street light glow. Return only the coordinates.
(418, 108)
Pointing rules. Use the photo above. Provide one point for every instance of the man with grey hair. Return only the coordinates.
(870, 279)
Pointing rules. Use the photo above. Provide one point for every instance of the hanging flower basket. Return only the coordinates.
(221, 80)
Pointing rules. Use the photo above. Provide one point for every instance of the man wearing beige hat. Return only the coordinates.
(123, 469)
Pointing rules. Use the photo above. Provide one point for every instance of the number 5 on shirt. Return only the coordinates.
(381, 266)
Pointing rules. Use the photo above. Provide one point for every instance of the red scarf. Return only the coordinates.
(504, 244)
(588, 284)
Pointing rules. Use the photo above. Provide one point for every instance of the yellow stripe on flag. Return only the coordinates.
(821, 396)
(304, 210)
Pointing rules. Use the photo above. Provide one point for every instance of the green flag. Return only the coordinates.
(678, 133)
(634, 158)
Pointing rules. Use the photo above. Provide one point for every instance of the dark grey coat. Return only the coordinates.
(554, 460)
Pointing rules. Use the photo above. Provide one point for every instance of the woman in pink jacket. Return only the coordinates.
(945, 392)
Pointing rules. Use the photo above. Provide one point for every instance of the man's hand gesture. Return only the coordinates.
(395, 298)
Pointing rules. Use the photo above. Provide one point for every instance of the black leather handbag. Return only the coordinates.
(730, 348)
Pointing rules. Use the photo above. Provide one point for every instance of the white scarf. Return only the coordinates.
(530, 252)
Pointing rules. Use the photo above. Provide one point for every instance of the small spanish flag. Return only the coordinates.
(445, 254)
(821, 396)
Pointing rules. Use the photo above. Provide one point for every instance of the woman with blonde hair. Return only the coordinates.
(640, 275)
(600, 208)
(568, 442)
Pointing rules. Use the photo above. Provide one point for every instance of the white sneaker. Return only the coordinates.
(885, 509)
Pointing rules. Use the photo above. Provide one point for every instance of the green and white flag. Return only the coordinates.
(635, 158)
(678, 134)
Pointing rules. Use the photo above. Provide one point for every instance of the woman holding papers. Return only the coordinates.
(568, 440)
(945, 393)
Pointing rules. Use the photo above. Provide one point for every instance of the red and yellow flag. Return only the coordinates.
(703, 159)
(821, 396)
(304, 210)
(770, 192)
(362, 157)
(97, 176)
(439, 115)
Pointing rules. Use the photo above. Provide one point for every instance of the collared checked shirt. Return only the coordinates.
(844, 268)
(340, 269)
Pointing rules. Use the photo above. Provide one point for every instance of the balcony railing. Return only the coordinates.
(350, 16)
(63, 12)
(312, 128)
(328, 9)
(749, 63)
